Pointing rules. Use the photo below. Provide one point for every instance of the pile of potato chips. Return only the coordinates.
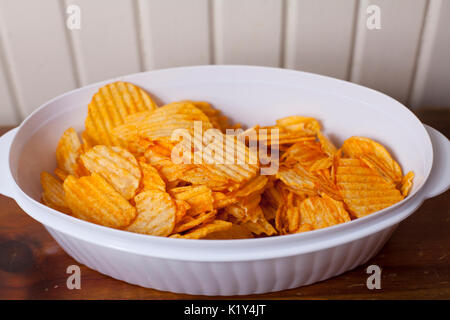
(120, 174)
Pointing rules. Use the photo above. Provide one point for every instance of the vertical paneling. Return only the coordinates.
(39, 55)
(106, 46)
(384, 59)
(248, 32)
(432, 82)
(319, 36)
(174, 33)
(8, 114)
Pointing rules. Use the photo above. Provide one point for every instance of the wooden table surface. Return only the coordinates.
(415, 262)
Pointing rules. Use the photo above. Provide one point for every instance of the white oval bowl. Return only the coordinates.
(249, 95)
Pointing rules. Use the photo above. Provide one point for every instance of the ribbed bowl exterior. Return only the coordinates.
(224, 278)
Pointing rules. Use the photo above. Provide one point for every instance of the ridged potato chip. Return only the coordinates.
(91, 198)
(53, 193)
(151, 178)
(297, 123)
(363, 189)
(326, 145)
(161, 122)
(188, 221)
(374, 155)
(204, 230)
(256, 184)
(68, 151)
(117, 166)
(260, 226)
(215, 116)
(61, 174)
(109, 107)
(156, 213)
(298, 179)
(322, 212)
(222, 200)
(200, 175)
(407, 183)
(199, 198)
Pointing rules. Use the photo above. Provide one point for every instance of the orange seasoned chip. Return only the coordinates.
(161, 122)
(235, 232)
(221, 200)
(304, 153)
(298, 179)
(188, 222)
(363, 189)
(151, 178)
(407, 183)
(321, 164)
(298, 123)
(206, 229)
(246, 209)
(199, 198)
(326, 145)
(61, 174)
(156, 213)
(373, 155)
(109, 107)
(260, 226)
(288, 216)
(68, 151)
(53, 193)
(256, 184)
(182, 208)
(322, 212)
(218, 120)
(117, 166)
(200, 175)
(93, 199)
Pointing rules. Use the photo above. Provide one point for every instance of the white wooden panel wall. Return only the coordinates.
(39, 55)
(174, 33)
(248, 32)
(106, 46)
(432, 82)
(408, 58)
(8, 113)
(384, 59)
(313, 43)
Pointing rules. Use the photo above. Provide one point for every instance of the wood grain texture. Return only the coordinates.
(319, 36)
(106, 45)
(415, 262)
(384, 59)
(248, 32)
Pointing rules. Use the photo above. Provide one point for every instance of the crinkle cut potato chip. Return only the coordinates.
(144, 169)
(205, 230)
(364, 190)
(156, 213)
(118, 166)
(374, 155)
(109, 108)
(67, 151)
(53, 193)
(199, 198)
(93, 199)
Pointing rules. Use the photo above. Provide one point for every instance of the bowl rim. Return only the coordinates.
(320, 233)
